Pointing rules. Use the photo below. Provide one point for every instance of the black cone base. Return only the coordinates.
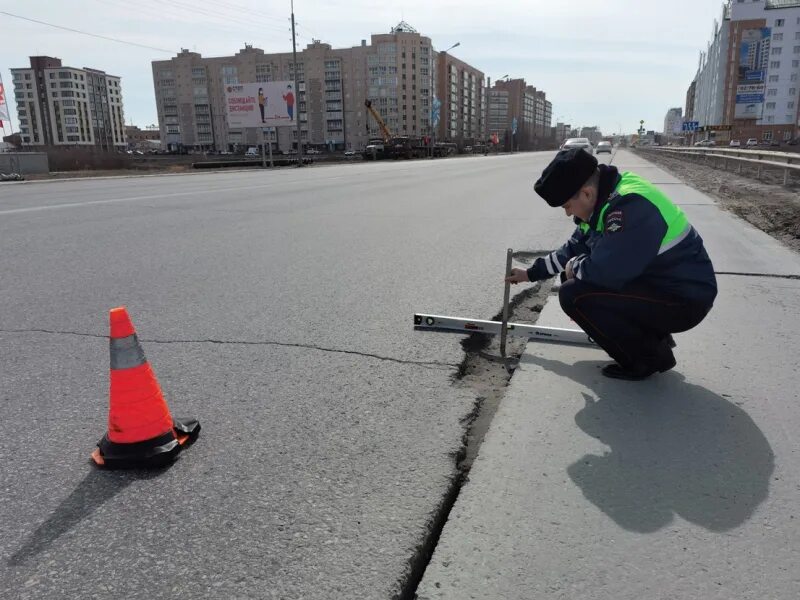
(153, 453)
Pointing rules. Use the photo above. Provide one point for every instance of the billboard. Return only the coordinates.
(4, 116)
(752, 72)
(264, 104)
(749, 101)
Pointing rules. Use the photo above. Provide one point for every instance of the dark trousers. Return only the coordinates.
(630, 324)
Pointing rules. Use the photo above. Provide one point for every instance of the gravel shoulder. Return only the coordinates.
(766, 203)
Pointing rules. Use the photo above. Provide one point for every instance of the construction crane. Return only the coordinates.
(385, 133)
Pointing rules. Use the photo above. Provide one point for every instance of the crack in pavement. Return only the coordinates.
(777, 275)
(425, 364)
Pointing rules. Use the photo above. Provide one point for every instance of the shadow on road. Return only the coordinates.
(676, 448)
(96, 488)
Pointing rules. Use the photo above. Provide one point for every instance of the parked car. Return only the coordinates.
(735, 144)
(774, 143)
(252, 151)
(794, 142)
(603, 147)
(705, 143)
(578, 143)
(349, 152)
(313, 151)
(751, 142)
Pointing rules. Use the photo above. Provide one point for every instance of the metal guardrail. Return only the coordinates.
(721, 156)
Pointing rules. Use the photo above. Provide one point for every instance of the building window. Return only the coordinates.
(795, 64)
(230, 74)
(774, 78)
(770, 106)
(790, 105)
(777, 37)
(792, 91)
(775, 64)
(776, 51)
(772, 92)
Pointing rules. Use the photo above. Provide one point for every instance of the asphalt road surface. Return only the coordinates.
(276, 308)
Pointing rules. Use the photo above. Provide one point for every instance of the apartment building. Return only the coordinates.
(64, 106)
(689, 102)
(542, 112)
(561, 132)
(673, 121)
(512, 100)
(461, 89)
(749, 80)
(395, 71)
(498, 122)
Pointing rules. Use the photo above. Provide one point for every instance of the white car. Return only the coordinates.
(603, 147)
(578, 143)
(735, 144)
(252, 151)
(751, 143)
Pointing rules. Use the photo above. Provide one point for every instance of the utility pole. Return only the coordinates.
(297, 91)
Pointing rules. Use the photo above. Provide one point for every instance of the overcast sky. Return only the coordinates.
(608, 63)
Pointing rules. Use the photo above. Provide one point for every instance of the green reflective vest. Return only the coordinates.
(678, 226)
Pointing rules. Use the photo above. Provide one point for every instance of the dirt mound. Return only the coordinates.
(766, 203)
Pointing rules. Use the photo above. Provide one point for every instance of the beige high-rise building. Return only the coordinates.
(65, 106)
(461, 89)
(395, 71)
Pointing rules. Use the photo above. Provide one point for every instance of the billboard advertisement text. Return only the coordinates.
(265, 104)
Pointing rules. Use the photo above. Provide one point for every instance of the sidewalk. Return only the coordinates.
(682, 487)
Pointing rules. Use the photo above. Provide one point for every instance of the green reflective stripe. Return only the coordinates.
(584, 227)
(126, 353)
(678, 226)
(601, 220)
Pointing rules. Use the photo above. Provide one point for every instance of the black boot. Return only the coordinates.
(662, 360)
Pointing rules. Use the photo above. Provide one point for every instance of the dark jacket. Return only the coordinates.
(627, 250)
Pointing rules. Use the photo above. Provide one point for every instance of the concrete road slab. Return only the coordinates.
(683, 486)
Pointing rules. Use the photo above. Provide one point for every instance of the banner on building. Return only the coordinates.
(435, 111)
(749, 101)
(752, 72)
(265, 104)
(4, 116)
(716, 128)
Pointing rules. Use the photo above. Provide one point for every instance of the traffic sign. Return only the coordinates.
(514, 126)
(691, 125)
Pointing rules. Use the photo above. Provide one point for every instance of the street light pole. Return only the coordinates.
(433, 128)
(297, 91)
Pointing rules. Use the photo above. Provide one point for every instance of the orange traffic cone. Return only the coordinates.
(141, 432)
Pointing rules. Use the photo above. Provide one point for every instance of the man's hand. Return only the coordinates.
(517, 276)
(569, 272)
